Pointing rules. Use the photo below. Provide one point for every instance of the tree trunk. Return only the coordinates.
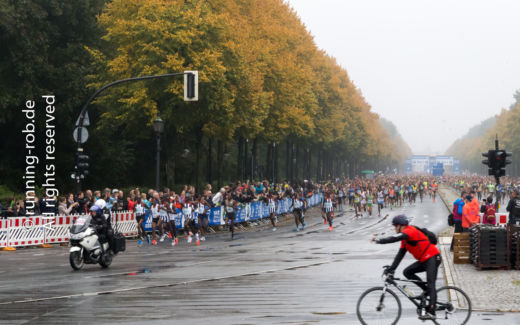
(246, 165)
(296, 162)
(276, 167)
(309, 165)
(291, 161)
(210, 158)
(240, 163)
(318, 166)
(170, 164)
(287, 159)
(220, 163)
(269, 162)
(197, 159)
(254, 163)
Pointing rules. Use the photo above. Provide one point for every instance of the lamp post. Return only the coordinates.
(158, 127)
(273, 158)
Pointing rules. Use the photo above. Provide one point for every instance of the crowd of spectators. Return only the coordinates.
(245, 192)
(242, 192)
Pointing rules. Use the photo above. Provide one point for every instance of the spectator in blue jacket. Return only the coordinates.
(457, 215)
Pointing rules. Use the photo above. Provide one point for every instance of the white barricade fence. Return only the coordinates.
(25, 231)
(4, 232)
(58, 232)
(125, 223)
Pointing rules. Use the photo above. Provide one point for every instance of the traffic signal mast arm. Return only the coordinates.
(191, 93)
(191, 82)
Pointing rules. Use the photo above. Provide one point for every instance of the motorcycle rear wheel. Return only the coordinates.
(76, 261)
(106, 260)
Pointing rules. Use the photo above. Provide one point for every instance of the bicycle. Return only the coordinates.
(381, 305)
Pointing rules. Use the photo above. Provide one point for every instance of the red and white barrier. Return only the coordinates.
(4, 232)
(38, 230)
(25, 231)
(58, 230)
(124, 222)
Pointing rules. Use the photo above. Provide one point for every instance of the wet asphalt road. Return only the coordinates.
(261, 277)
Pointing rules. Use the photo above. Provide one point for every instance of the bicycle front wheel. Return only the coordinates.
(453, 306)
(378, 306)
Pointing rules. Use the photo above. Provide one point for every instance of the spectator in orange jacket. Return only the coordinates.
(470, 213)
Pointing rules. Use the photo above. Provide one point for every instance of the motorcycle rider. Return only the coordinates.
(101, 220)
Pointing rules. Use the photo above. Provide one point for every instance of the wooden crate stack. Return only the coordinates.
(461, 249)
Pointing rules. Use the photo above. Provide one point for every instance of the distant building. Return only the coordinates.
(422, 164)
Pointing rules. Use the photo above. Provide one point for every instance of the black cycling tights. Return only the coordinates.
(431, 266)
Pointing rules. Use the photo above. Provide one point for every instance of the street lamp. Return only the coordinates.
(158, 127)
(273, 158)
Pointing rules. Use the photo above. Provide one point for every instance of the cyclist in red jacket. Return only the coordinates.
(427, 255)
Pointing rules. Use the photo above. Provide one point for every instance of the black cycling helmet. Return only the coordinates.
(400, 220)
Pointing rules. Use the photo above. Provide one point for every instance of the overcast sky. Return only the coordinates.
(434, 68)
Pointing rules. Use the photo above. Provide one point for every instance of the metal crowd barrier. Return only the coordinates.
(246, 212)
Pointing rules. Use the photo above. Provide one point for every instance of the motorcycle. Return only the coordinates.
(85, 245)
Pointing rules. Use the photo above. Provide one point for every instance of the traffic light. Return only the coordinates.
(502, 162)
(191, 86)
(491, 161)
(82, 164)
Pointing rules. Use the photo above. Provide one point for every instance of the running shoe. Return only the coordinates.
(303, 226)
(274, 229)
(162, 238)
(175, 241)
(330, 228)
(324, 221)
(198, 242)
(189, 239)
(148, 239)
(140, 242)
(154, 242)
(297, 229)
(203, 238)
(170, 235)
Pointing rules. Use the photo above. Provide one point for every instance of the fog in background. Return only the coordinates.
(433, 68)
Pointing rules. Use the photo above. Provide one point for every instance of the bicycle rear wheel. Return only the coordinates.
(453, 306)
(376, 306)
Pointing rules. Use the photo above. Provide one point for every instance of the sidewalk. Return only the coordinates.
(489, 290)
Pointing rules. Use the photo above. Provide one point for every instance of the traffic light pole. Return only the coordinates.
(191, 92)
(497, 181)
